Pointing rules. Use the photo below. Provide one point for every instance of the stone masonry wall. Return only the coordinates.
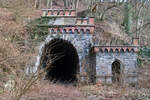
(104, 62)
(82, 42)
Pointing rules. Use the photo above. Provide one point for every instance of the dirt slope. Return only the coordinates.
(109, 33)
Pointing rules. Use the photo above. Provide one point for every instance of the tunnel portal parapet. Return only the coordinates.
(96, 62)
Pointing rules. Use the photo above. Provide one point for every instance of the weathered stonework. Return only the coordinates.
(95, 62)
(83, 44)
(128, 61)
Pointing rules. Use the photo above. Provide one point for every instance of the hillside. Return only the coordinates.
(18, 50)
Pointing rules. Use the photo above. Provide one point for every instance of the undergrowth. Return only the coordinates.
(36, 32)
(143, 56)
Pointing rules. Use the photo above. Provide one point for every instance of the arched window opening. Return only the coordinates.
(70, 31)
(101, 50)
(87, 31)
(127, 50)
(132, 50)
(111, 51)
(117, 50)
(76, 31)
(82, 31)
(106, 50)
(58, 30)
(116, 71)
(122, 50)
(64, 31)
(52, 30)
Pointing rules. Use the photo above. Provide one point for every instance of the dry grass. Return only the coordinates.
(109, 33)
(144, 76)
(114, 92)
(47, 91)
(15, 54)
(14, 81)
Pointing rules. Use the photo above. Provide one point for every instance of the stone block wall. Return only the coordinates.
(128, 61)
(83, 44)
(95, 61)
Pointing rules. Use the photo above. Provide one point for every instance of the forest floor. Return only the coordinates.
(48, 91)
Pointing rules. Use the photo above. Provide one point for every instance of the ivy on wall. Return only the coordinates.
(127, 17)
(143, 55)
(36, 32)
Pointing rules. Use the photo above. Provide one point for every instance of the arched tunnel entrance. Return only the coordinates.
(61, 60)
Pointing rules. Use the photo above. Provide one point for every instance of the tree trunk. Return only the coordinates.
(77, 4)
(37, 4)
(51, 4)
(65, 3)
(48, 3)
(127, 17)
(73, 4)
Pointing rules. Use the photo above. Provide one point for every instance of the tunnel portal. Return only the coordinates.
(65, 61)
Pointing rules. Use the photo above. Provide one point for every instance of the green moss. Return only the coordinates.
(143, 56)
(36, 32)
(127, 18)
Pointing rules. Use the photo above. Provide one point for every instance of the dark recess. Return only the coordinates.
(66, 61)
(116, 71)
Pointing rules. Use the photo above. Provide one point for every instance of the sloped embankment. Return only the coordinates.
(110, 33)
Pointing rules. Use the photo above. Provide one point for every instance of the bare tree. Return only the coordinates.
(37, 3)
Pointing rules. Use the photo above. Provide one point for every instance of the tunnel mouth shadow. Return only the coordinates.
(61, 61)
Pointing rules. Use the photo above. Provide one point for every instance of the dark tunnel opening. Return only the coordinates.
(65, 66)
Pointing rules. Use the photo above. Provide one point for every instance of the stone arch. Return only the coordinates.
(81, 42)
(117, 50)
(101, 50)
(87, 31)
(132, 50)
(70, 31)
(65, 60)
(52, 30)
(82, 30)
(106, 50)
(76, 31)
(58, 30)
(127, 50)
(122, 50)
(117, 71)
(111, 50)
